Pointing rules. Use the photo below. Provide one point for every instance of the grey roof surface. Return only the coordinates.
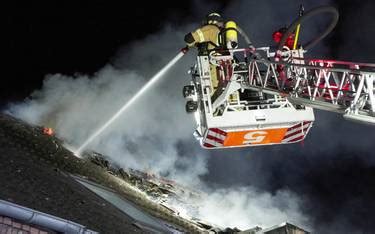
(29, 179)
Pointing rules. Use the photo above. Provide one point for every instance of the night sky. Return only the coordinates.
(69, 38)
(79, 37)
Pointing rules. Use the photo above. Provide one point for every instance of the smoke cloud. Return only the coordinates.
(245, 207)
(155, 134)
(332, 170)
(303, 184)
(142, 137)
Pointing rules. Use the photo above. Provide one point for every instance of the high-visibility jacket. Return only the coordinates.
(206, 36)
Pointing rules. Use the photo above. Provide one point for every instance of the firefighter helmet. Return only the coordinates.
(214, 18)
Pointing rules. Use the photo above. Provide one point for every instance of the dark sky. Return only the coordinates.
(66, 38)
(338, 184)
(81, 37)
(75, 36)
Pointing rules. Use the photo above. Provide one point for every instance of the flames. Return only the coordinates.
(48, 131)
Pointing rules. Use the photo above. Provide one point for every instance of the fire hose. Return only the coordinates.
(318, 10)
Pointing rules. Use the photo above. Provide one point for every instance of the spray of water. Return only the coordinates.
(143, 90)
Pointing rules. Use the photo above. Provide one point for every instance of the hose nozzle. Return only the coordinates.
(185, 49)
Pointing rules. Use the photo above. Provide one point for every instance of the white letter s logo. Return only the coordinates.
(254, 137)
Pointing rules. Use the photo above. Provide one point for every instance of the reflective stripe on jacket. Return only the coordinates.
(208, 33)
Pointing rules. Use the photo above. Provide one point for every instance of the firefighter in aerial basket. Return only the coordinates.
(289, 45)
(213, 36)
(206, 37)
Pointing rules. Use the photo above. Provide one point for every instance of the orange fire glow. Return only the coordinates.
(48, 131)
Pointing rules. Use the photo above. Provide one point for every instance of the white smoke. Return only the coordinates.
(245, 207)
(155, 134)
(144, 138)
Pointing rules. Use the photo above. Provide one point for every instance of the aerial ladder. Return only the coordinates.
(262, 96)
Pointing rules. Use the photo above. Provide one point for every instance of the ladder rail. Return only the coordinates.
(336, 86)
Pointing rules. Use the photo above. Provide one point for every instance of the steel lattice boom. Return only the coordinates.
(249, 97)
(343, 87)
